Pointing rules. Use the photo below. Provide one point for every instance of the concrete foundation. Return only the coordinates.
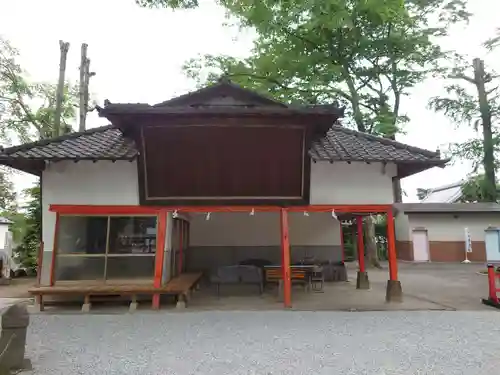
(394, 291)
(133, 306)
(362, 281)
(86, 307)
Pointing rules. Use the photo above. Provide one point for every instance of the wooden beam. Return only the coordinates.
(154, 210)
(104, 210)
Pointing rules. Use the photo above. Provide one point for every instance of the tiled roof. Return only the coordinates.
(450, 193)
(448, 207)
(340, 144)
(105, 142)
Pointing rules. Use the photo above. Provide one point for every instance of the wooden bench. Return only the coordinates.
(180, 286)
(297, 276)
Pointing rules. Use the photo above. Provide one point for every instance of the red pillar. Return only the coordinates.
(161, 235)
(361, 244)
(391, 247)
(285, 256)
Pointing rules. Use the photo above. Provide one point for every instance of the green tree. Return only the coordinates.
(365, 54)
(474, 190)
(27, 111)
(27, 108)
(27, 251)
(473, 100)
(8, 196)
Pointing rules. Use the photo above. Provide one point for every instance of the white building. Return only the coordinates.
(222, 148)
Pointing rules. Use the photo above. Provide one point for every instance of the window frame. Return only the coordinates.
(58, 254)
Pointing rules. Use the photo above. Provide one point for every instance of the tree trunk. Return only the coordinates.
(81, 92)
(397, 190)
(60, 87)
(484, 107)
(370, 243)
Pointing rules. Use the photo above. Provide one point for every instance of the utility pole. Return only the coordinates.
(64, 47)
(480, 80)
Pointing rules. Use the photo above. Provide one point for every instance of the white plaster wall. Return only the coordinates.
(85, 182)
(402, 227)
(446, 227)
(4, 228)
(263, 229)
(108, 183)
(355, 183)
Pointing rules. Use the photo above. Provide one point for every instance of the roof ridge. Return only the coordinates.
(386, 141)
(219, 83)
(60, 138)
(446, 187)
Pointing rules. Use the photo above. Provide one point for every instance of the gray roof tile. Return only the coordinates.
(104, 142)
(342, 144)
(107, 142)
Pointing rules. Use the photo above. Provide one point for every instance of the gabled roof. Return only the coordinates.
(339, 144)
(450, 193)
(448, 207)
(224, 88)
(221, 98)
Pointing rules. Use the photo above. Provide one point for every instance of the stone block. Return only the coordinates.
(362, 281)
(15, 322)
(394, 291)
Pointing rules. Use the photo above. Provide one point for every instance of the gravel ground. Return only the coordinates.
(264, 343)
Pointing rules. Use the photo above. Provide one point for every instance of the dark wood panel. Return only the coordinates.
(224, 161)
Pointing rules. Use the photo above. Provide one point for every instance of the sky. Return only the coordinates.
(138, 53)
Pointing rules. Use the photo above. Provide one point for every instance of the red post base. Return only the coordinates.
(492, 286)
(156, 302)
